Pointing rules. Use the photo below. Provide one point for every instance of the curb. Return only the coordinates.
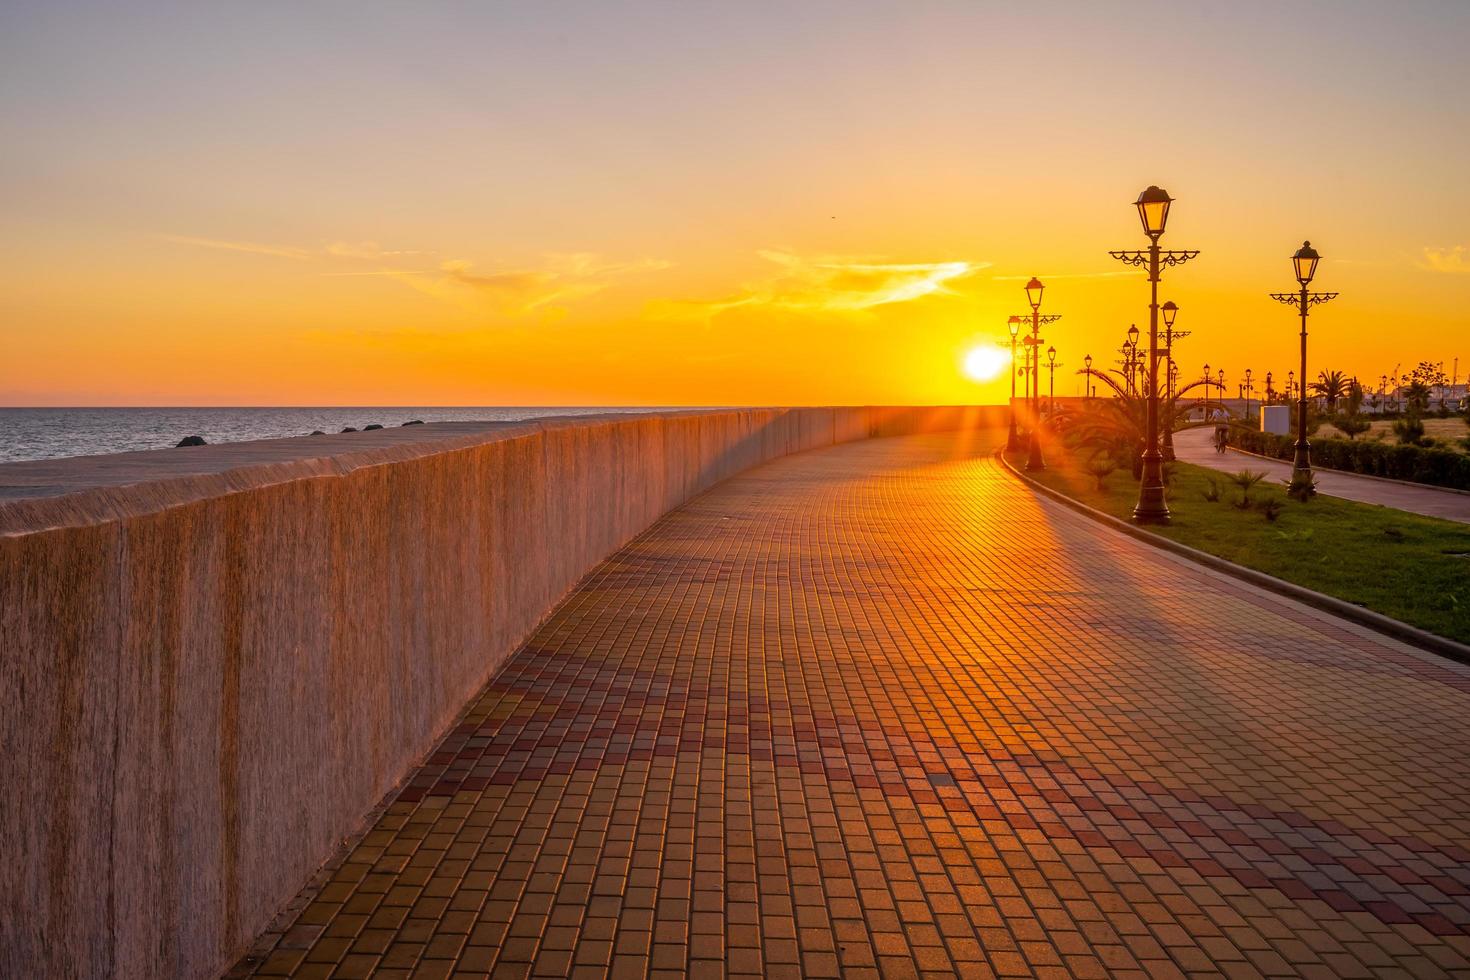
(1377, 622)
(1366, 476)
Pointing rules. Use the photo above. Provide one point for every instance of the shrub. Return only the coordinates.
(1417, 464)
(1409, 430)
(1212, 494)
(1352, 426)
(1271, 507)
(1100, 467)
(1246, 479)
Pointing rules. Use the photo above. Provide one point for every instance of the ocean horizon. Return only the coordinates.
(55, 433)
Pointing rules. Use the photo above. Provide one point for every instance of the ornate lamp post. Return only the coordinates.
(1270, 394)
(1170, 310)
(1153, 211)
(1304, 263)
(1013, 442)
(1051, 384)
(1132, 354)
(1088, 376)
(1034, 289)
(1209, 412)
(1290, 384)
(1248, 390)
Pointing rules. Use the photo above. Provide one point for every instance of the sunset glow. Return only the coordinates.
(518, 204)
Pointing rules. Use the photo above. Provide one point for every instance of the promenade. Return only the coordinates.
(878, 709)
(1197, 446)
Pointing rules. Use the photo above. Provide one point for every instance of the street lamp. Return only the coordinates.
(1088, 361)
(1034, 289)
(1051, 393)
(1013, 441)
(1170, 310)
(1248, 390)
(1153, 212)
(1132, 354)
(1269, 393)
(1304, 264)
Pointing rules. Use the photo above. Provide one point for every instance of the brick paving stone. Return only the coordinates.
(877, 710)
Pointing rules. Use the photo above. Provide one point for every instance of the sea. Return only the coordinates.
(50, 433)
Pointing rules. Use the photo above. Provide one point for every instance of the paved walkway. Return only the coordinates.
(879, 710)
(1197, 446)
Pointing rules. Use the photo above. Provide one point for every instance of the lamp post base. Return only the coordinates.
(1167, 450)
(1302, 484)
(1034, 462)
(1151, 508)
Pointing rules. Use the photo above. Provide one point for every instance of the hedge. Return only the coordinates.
(1417, 464)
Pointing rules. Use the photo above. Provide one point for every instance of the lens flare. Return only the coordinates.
(985, 363)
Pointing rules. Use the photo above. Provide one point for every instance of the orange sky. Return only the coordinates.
(660, 203)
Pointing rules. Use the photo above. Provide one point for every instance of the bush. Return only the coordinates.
(1213, 493)
(1416, 464)
(1246, 479)
(1352, 426)
(1100, 467)
(1271, 507)
(1409, 430)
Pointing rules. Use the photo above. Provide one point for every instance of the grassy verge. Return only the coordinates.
(1414, 569)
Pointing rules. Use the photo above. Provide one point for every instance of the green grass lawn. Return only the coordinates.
(1414, 569)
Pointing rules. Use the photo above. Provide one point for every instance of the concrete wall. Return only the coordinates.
(214, 661)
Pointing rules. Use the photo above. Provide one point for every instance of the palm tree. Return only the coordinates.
(1331, 385)
(1118, 424)
(1416, 397)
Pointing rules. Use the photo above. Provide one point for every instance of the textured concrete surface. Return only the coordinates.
(1197, 446)
(216, 660)
(878, 710)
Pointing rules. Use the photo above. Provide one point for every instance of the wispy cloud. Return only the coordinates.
(1048, 276)
(254, 248)
(827, 284)
(562, 278)
(366, 250)
(1454, 259)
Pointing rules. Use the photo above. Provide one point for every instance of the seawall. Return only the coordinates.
(214, 661)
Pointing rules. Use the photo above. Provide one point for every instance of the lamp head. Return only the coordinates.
(1304, 261)
(1014, 324)
(1153, 210)
(1034, 289)
(1133, 336)
(1170, 311)
(1051, 354)
(1088, 361)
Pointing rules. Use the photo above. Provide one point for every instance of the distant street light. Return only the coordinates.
(1051, 363)
(1088, 376)
(1209, 412)
(1153, 212)
(1304, 264)
(1248, 390)
(1170, 311)
(1013, 442)
(1034, 289)
(1270, 394)
(1130, 351)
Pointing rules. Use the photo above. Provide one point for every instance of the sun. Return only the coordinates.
(985, 362)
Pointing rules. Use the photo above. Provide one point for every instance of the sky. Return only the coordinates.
(701, 203)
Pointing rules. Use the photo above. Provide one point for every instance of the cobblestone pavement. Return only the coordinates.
(1197, 446)
(878, 710)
